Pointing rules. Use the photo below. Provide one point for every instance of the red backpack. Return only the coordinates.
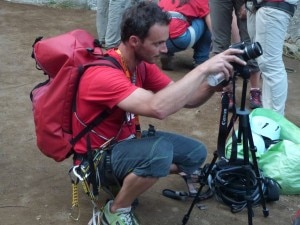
(63, 59)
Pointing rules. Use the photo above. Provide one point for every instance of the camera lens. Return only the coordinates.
(252, 51)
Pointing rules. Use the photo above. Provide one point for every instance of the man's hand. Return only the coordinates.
(222, 63)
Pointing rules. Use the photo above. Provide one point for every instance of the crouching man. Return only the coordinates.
(142, 89)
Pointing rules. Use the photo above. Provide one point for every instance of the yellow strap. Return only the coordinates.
(75, 211)
(124, 65)
(87, 190)
(138, 132)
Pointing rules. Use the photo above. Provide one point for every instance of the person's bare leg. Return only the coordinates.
(174, 169)
(132, 187)
(235, 35)
(255, 80)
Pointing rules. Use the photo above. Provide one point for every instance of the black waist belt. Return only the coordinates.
(284, 6)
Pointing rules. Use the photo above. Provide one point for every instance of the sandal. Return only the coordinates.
(177, 195)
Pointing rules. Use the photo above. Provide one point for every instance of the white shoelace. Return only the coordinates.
(127, 218)
(126, 215)
(95, 220)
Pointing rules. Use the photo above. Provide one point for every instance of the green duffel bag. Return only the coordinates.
(282, 163)
(281, 159)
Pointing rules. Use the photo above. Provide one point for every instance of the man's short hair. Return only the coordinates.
(138, 19)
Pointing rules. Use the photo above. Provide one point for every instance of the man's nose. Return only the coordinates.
(163, 48)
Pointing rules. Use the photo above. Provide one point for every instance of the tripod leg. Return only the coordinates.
(249, 198)
(244, 132)
(196, 198)
(256, 170)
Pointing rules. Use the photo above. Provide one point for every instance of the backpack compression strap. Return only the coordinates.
(90, 126)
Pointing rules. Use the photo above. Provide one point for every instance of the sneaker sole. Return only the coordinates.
(102, 222)
(253, 106)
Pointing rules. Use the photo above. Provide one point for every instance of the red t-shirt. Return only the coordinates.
(192, 9)
(103, 88)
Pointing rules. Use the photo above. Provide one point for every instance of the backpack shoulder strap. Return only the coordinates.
(107, 61)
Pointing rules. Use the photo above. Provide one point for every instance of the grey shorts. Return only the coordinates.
(153, 156)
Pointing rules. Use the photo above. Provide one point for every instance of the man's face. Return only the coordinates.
(151, 48)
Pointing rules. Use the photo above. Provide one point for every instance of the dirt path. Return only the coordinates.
(36, 190)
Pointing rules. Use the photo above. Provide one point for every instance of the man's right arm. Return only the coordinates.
(190, 91)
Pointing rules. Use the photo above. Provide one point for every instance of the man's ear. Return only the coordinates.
(134, 41)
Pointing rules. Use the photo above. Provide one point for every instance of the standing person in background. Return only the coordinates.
(221, 19)
(189, 28)
(108, 19)
(267, 24)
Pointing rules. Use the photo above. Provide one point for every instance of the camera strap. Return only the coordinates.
(225, 127)
(223, 131)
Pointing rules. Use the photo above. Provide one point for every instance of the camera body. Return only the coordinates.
(250, 51)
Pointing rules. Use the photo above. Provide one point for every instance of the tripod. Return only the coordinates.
(244, 131)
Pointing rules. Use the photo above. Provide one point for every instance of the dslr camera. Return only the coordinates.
(250, 51)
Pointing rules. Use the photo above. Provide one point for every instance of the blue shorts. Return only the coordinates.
(153, 156)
